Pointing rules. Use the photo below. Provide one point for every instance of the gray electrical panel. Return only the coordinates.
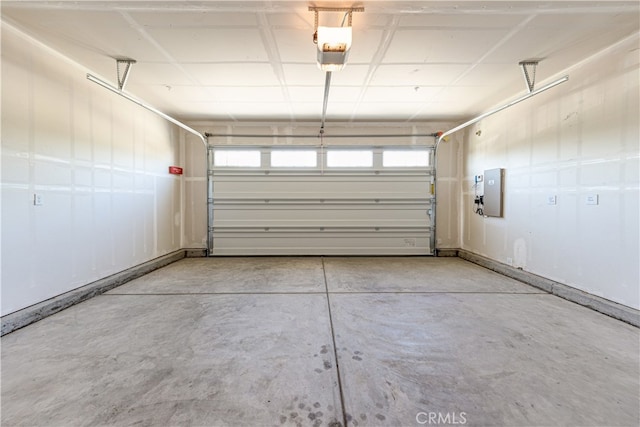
(493, 189)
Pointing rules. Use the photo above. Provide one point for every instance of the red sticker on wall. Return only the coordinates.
(175, 170)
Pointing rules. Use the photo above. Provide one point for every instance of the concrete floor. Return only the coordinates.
(254, 342)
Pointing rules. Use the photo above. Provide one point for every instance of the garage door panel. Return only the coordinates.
(320, 188)
(369, 211)
(292, 215)
(321, 243)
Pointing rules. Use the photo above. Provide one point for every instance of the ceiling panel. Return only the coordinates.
(254, 110)
(463, 20)
(81, 35)
(546, 37)
(229, 94)
(366, 44)
(387, 110)
(295, 45)
(489, 74)
(445, 111)
(399, 94)
(315, 94)
(186, 18)
(351, 75)
(256, 74)
(166, 94)
(308, 110)
(255, 60)
(153, 73)
(211, 44)
(441, 45)
(579, 21)
(306, 93)
(371, 20)
(309, 74)
(300, 19)
(417, 74)
(187, 93)
(471, 94)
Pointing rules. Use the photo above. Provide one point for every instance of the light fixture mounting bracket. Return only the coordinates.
(529, 72)
(122, 78)
(316, 10)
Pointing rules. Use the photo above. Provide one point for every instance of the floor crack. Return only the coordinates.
(335, 347)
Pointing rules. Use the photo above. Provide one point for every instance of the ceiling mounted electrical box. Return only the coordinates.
(333, 43)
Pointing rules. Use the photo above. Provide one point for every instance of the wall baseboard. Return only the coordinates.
(447, 252)
(31, 314)
(594, 302)
(195, 253)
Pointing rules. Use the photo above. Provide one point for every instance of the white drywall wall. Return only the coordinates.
(578, 139)
(195, 230)
(100, 164)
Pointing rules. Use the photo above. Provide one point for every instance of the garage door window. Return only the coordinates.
(349, 158)
(237, 158)
(294, 158)
(405, 158)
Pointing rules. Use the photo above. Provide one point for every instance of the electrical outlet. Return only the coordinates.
(509, 261)
(551, 200)
(37, 199)
(592, 199)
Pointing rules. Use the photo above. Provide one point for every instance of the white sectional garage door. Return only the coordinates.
(303, 200)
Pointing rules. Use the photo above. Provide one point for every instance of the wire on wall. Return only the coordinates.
(478, 205)
(478, 199)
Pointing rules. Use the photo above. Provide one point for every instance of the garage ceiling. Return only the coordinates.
(255, 60)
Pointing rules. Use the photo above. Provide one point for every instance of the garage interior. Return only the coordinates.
(214, 215)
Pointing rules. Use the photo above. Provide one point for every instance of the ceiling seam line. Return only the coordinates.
(137, 27)
(268, 38)
(387, 38)
(502, 41)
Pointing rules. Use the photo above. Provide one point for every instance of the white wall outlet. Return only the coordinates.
(509, 261)
(551, 200)
(37, 199)
(479, 178)
(592, 199)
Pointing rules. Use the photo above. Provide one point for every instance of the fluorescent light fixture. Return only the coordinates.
(333, 47)
(143, 104)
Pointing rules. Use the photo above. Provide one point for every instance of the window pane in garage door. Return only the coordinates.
(294, 158)
(405, 158)
(349, 158)
(237, 158)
